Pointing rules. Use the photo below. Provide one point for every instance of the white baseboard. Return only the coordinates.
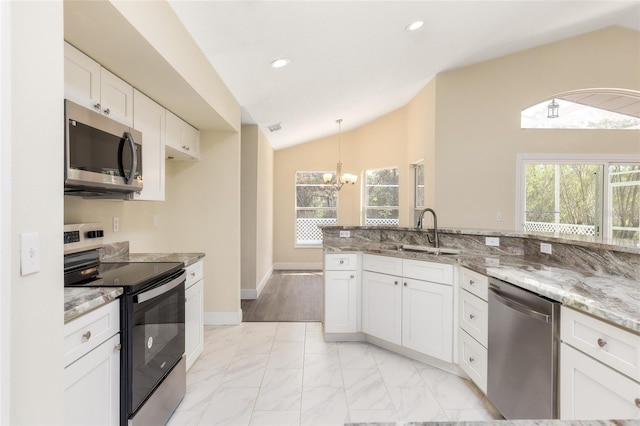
(223, 318)
(251, 293)
(298, 266)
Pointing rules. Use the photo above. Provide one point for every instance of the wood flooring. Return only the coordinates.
(287, 296)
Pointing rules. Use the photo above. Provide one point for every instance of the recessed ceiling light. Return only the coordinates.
(414, 26)
(279, 63)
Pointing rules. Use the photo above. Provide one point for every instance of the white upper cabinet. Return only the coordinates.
(149, 118)
(183, 140)
(88, 84)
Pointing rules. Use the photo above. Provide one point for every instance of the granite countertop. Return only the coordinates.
(509, 423)
(80, 300)
(610, 297)
(186, 258)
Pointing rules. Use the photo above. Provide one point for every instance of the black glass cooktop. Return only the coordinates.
(133, 276)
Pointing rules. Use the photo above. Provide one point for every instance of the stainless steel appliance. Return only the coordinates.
(523, 352)
(153, 373)
(102, 156)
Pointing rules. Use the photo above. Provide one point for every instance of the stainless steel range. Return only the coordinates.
(153, 373)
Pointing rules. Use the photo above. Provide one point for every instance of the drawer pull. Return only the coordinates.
(637, 401)
(471, 316)
(602, 342)
(395, 283)
(193, 274)
(471, 282)
(405, 284)
(471, 360)
(86, 336)
(341, 261)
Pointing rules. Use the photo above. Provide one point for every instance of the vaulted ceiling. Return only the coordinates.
(356, 61)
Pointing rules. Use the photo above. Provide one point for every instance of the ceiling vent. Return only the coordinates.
(274, 127)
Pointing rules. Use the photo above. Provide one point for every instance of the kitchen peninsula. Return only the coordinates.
(433, 307)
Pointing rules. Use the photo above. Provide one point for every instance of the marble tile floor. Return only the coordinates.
(286, 374)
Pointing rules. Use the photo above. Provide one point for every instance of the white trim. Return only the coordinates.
(223, 318)
(5, 212)
(264, 281)
(254, 293)
(291, 266)
(522, 159)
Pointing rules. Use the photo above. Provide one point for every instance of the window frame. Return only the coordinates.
(363, 200)
(416, 187)
(297, 243)
(598, 159)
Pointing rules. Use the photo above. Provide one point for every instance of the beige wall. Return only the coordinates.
(257, 210)
(35, 197)
(465, 124)
(478, 120)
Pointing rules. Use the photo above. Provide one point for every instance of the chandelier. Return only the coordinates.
(340, 179)
(552, 109)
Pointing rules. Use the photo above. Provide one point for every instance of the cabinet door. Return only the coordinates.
(382, 306)
(194, 322)
(81, 78)
(149, 118)
(341, 302)
(92, 387)
(427, 310)
(589, 390)
(183, 141)
(116, 98)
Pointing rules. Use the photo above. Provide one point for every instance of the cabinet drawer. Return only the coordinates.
(341, 262)
(88, 331)
(382, 264)
(617, 348)
(428, 271)
(474, 283)
(474, 316)
(472, 359)
(194, 273)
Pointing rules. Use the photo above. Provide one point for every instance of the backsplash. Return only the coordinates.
(587, 256)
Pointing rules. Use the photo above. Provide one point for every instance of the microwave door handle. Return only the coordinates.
(134, 158)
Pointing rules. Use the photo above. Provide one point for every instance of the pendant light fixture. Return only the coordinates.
(552, 109)
(339, 180)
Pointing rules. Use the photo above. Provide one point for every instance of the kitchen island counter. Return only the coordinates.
(80, 300)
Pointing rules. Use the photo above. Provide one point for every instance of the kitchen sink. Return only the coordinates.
(431, 250)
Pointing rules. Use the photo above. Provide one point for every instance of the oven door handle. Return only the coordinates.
(158, 291)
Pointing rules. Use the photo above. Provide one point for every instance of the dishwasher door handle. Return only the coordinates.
(520, 307)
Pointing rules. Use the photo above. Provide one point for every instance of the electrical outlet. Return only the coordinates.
(545, 248)
(498, 216)
(156, 220)
(345, 234)
(116, 224)
(492, 241)
(29, 253)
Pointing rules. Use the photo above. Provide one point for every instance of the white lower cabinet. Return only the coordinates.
(194, 313)
(382, 306)
(92, 368)
(341, 293)
(409, 303)
(592, 391)
(599, 369)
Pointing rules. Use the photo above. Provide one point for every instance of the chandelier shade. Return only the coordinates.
(339, 179)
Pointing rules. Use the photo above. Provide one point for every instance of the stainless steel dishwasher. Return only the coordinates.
(523, 352)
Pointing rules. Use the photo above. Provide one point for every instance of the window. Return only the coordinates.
(418, 183)
(381, 197)
(316, 204)
(571, 197)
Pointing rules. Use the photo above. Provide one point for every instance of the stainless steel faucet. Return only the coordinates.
(435, 226)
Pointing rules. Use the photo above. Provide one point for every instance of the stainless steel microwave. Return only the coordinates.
(102, 156)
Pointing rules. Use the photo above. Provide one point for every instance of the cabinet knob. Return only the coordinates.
(193, 274)
(395, 283)
(107, 111)
(471, 316)
(185, 147)
(602, 342)
(97, 106)
(341, 262)
(86, 336)
(637, 401)
(471, 282)
(471, 360)
(405, 284)
(352, 276)
(118, 347)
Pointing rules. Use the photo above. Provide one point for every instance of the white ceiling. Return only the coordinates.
(354, 60)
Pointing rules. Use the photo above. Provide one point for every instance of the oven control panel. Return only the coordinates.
(82, 236)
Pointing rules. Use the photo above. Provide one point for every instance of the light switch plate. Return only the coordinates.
(29, 253)
(545, 248)
(345, 234)
(492, 241)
